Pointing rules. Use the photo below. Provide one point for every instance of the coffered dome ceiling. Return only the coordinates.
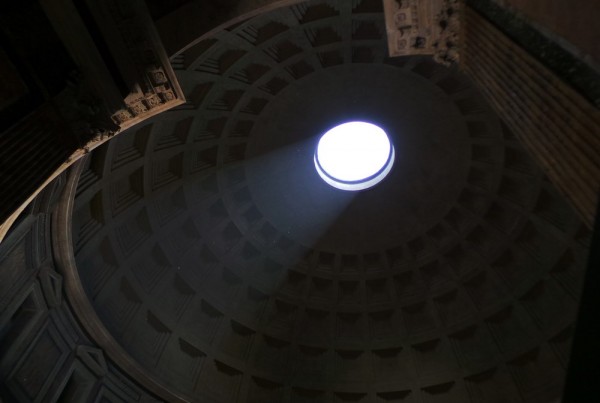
(222, 264)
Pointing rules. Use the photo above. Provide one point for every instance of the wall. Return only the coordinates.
(555, 122)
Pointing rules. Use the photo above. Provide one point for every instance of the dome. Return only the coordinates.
(222, 264)
(206, 250)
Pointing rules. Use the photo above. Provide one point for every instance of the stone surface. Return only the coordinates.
(230, 271)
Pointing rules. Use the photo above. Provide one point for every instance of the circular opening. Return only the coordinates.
(354, 156)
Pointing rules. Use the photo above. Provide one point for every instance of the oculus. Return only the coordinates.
(354, 156)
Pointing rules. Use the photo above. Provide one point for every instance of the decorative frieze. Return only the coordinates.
(423, 27)
(447, 45)
(154, 87)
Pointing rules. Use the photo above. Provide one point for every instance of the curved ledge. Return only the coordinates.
(62, 245)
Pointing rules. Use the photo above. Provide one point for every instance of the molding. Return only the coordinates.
(423, 27)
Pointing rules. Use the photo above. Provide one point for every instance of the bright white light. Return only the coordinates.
(354, 156)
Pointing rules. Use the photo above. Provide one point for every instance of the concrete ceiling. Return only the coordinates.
(219, 260)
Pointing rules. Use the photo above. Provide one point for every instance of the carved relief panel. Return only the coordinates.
(423, 27)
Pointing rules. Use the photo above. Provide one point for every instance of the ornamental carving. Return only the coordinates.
(153, 85)
(447, 44)
(423, 27)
